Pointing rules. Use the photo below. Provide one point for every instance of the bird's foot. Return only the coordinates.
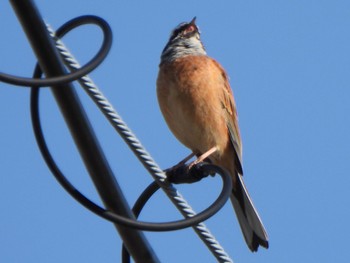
(203, 156)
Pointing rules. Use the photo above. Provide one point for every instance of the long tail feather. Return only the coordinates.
(253, 230)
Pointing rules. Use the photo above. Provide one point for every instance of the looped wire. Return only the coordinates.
(87, 68)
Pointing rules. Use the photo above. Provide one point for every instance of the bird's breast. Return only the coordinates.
(189, 94)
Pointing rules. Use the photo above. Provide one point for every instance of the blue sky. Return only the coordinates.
(289, 65)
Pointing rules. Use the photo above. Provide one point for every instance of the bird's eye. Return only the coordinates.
(189, 29)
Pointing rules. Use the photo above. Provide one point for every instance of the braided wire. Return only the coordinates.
(144, 157)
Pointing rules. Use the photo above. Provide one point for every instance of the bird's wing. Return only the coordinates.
(229, 105)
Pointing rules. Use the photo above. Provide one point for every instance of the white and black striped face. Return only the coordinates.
(184, 41)
(185, 30)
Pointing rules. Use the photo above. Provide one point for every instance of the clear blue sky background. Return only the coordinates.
(289, 65)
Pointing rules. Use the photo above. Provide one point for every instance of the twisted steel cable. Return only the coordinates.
(144, 157)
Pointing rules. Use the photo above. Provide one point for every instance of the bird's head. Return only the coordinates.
(185, 31)
(184, 40)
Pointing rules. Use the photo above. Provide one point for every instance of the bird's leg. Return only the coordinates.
(203, 156)
(186, 159)
(181, 163)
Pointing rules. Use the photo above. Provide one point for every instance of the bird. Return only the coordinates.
(197, 103)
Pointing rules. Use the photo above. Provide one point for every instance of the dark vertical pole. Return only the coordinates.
(80, 128)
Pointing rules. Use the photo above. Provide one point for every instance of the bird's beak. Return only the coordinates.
(193, 21)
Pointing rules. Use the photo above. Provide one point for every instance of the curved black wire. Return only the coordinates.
(153, 187)
(88, 67)
(108, 215)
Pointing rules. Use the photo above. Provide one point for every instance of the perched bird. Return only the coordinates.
(196, 100)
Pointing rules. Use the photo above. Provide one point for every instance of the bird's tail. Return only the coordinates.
(253, 230)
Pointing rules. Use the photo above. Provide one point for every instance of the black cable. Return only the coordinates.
(110, 216)
(88, 67)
